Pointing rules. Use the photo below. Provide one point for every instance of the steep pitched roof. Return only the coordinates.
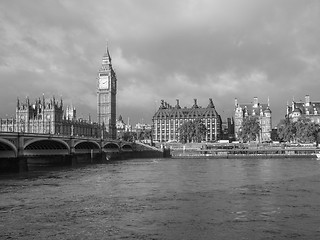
(251, 109)
(313, 108)
(165, 110)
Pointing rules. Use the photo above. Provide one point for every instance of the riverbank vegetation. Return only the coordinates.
(304, 130)
(301, 131)
(192, 131)
(250, 129)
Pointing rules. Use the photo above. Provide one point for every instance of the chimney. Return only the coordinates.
(162, 104)
(255, 102)
(307, 100)
(195, 103)
(210, 105)
(177, 104)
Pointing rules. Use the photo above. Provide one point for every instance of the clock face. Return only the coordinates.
(104, 82)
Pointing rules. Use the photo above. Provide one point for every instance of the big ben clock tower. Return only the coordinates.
(106, 96)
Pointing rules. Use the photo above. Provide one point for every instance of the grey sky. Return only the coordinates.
(168, 49)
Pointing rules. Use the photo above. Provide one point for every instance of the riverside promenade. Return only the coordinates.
(231, 150)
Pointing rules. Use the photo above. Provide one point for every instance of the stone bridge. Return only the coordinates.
(15, 145)
(26, 151)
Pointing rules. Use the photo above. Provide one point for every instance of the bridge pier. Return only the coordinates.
(22, 160)
(73, 156)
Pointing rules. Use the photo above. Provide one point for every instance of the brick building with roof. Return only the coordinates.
(306, 109)
(168, 119)
(260, 110)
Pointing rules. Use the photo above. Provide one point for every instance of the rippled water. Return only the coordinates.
(166, 199)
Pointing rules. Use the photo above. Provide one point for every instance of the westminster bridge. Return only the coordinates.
(26, 149)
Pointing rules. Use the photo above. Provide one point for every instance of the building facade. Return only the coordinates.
(142, 127)
(122, 127)
(306, 109)
(106, 96)
(46, 116)
(261, 111)
(167, 121)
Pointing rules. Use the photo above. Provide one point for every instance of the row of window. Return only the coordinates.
(177, 127)
(166, 137)
(173, 130)
(179, 121)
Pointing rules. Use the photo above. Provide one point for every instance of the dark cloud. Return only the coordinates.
(220, 49)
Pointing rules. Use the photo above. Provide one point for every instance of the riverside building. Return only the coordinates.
(46, 116)
(307, 109)
(260, 110)
(122, 127)
(168, 119)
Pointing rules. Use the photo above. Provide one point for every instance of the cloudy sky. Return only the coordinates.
(168, 49)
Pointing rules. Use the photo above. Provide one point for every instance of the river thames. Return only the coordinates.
(165, 199)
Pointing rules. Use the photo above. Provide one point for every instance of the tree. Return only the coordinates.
(301, 131)
(192, 131)
(200, 130)
(129, 136)
(250, 129)
(286, 130)
(185, 132)
(145, 134)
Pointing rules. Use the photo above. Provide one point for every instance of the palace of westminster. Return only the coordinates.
(47, 116)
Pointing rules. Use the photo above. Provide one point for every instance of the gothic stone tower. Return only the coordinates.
(106, 96)
(43, 116)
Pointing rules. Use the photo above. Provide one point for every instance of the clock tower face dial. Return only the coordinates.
(104, 82)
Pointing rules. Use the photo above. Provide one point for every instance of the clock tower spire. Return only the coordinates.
(106, 59)
(106, 95)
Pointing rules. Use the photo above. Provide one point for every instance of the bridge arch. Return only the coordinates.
(87, 145)
(46, 146)
(127, 147)
(111, 147)
(7, 148)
